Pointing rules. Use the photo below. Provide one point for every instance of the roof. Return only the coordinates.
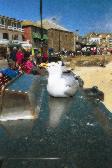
(46, 24)
(28, 23)
(49, 24)
(91, 34)
(96, 35)
(10, 18)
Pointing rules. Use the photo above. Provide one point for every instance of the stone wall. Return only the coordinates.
(59, 40)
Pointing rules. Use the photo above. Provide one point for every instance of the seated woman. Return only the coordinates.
(30, 67)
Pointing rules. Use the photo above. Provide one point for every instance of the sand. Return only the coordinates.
(98, 76)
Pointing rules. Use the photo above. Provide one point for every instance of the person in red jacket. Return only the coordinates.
(19, 57)
(45, 57)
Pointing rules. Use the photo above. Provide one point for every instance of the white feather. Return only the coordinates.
(58, 84)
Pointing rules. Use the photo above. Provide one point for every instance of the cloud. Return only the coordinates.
(55, 19)
(108, 20)
(106, 23)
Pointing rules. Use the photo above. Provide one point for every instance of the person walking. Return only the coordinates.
(45, 57)
(12, 57)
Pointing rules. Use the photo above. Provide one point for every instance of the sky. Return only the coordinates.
(83, 15)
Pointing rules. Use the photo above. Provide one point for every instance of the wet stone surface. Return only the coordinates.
(69, 132)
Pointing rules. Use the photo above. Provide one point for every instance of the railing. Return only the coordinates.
(20, 29)
(14, 28)
(2, 26)
(10, 27)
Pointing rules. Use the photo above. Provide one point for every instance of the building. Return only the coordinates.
(106, 40)
(103, 40)
(59, 37)
(60, 40)
(10, 29)
(94, 40)
(54, 35)
(110, 42)
(32, 33)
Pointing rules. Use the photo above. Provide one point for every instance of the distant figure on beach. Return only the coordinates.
(38, 57)
(45, 57)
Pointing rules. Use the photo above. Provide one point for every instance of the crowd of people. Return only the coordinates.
(26, 60)
(22, 61)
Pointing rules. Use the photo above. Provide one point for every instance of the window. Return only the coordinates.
(23, 37)
(14, 24)
(2, 21)
(18, 25)
(5, 36)
(66, 37)
(15, 37)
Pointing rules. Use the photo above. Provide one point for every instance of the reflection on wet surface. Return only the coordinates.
(75, 130)
(58, 107)
(22, 98)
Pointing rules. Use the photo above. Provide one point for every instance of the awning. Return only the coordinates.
(14, 45)
(36, 35)
(45, 37)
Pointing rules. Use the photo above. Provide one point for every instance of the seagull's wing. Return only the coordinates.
(70, 80)
(71, 84)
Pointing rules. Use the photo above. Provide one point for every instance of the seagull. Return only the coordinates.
(59, 84)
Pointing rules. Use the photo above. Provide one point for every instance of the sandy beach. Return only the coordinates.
(98, 76)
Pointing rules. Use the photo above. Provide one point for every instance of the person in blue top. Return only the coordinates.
(10, 72)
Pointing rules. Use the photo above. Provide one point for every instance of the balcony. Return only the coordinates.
(20, 29)
(16, 42)
(110, 40)
(10, 28)
(4, 41)
(2, 26)
(14, 28)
